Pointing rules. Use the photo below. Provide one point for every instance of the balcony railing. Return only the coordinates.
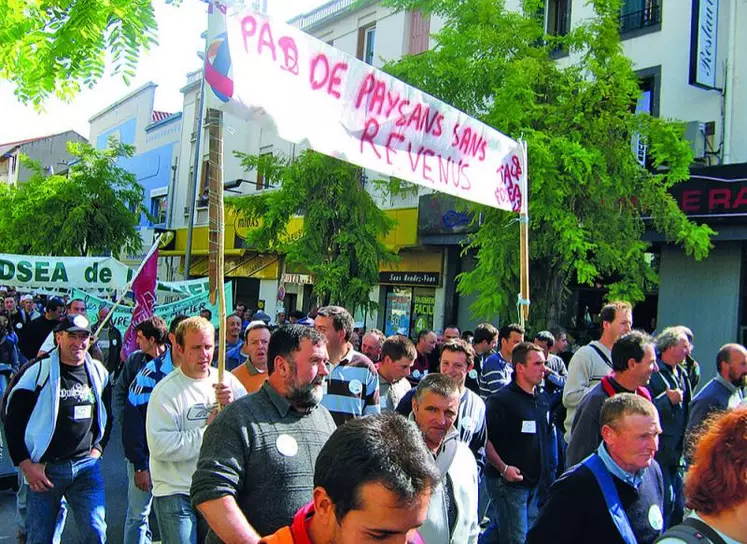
(636, 20)
(322, 12)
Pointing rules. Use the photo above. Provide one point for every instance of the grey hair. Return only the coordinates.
(669, 337)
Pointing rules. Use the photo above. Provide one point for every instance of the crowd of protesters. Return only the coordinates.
(321, 432)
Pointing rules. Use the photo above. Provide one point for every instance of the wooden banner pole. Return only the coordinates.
(216, 230)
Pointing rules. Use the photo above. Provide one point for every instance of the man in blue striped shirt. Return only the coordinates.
(497, 369)
(353, 383)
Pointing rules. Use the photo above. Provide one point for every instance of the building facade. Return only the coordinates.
(692, 66)
(156, 138)
(49, 151)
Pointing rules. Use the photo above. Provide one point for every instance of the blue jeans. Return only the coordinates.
(137, 527)
(21, 514)
(515, 510)
(177, 520)
(80, 482)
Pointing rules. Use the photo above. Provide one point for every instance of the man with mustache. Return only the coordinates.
(256, 466)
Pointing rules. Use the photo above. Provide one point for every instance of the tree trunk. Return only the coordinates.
(550, 293)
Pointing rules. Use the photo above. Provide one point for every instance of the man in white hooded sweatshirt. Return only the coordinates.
(452, 513)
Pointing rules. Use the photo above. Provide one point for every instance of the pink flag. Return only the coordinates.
(144, 290)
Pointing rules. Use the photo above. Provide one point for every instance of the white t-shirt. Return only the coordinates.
(175, 423)
(48, 344)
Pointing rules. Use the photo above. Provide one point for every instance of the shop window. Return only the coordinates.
(409, 310)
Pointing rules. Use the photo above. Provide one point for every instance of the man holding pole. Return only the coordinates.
(180, 409)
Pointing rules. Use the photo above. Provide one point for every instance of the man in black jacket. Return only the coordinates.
(37, 331)
(518, 452)
(671, 393)
(622, 476)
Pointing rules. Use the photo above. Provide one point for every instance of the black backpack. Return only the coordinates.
(694, 531)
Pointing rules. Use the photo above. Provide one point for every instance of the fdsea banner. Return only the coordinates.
(29, 271)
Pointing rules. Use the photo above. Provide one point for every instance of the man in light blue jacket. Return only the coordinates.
(57, 424)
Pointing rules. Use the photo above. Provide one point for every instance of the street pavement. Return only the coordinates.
(115, 482)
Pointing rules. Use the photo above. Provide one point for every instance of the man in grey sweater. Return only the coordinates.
(256, 465)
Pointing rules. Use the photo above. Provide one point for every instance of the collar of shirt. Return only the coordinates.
(300, 526)
(730, 387)
(630, 479)
(279, 401)
(502, 360)
(515, 386)
(670, 374)
(245, 360)
(348, 357)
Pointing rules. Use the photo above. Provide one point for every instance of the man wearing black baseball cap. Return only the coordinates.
(58, 422)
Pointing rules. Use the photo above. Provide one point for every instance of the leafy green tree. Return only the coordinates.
(589, 196)
(340, 241)
(54, 47)
(93, 209)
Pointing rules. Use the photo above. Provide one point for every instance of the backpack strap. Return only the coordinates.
(693, 531)
(595, 464)
(602, 355)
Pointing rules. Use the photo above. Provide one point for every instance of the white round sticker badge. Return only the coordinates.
(355, 387)
(416, 374)
(468, 424)
(655, 518)
(473, 374)
(287, 445)
(19, 326)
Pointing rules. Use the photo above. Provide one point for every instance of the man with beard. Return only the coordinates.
(256, 466)
(722, 392)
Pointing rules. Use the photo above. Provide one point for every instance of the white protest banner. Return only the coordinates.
(190, 306)
(310, 92)
(27, 271)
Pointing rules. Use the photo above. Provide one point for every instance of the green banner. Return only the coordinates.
(190, 306)
(24, 272)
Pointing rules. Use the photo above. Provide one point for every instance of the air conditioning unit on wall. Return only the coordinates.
(696, 133)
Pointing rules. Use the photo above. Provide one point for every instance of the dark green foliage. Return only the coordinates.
(340, 241)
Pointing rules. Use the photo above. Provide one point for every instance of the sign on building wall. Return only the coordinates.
(429, 279)
(714, 192)
(703, 42)
(311, 92)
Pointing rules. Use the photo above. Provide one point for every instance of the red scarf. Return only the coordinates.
(611, 392)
